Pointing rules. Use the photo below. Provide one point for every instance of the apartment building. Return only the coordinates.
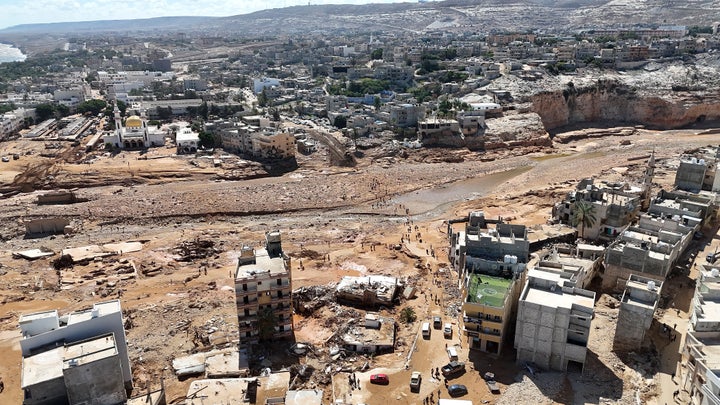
(637, 308)
(263, 288)
(699, 374)
(487, 311)
(553, 322)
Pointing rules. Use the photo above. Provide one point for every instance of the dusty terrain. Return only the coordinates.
(177, 304)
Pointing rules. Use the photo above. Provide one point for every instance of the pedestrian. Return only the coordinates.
(676, 393)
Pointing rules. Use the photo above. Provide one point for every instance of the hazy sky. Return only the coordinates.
(14, 12)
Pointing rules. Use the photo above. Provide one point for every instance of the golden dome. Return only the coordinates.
(133, 122)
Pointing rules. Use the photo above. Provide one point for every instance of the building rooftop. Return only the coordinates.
(227, 391)
(90, 350)
(304, 397)
(264, 266)
(545, 288)
(642, 292)
(41, 367)
(99, 309)
(361, 335)
(488, 290)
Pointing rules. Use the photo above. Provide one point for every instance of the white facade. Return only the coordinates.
(187, 141)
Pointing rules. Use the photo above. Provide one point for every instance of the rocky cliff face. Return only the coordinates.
(617, 102)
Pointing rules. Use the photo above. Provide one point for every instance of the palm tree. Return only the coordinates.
(583, 216)
(407, 315)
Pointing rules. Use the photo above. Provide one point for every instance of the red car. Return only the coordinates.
(379, 379)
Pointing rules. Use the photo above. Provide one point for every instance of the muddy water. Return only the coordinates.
(432, 199)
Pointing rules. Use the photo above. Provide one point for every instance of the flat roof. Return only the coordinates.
(263, 264)
(53, 313)
(488, 290)
(103, 308)
(710, 310)
(304, 397)
(41, 367)
(227, 391)
(554, 299)
(89, 351)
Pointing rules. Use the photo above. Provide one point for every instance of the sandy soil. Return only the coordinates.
(338, 211)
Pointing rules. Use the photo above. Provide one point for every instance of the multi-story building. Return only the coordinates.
(263, 292)
(487, 311)
(490, 257)
(553, 322)
(699, 374)
(75, 358)
(637, 308)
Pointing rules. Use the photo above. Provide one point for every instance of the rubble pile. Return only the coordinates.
(196, 249)
(534, 389)
(306, 300)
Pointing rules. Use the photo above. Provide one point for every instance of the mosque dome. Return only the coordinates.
(133, 122)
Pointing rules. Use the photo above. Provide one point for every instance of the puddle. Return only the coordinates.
(422, 201)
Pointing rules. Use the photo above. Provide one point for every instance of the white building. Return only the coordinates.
(135, 134)
(187, 141)
(52, 346)
(261, 83)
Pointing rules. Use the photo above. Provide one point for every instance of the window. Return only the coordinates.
(245, 287)
(279, 282)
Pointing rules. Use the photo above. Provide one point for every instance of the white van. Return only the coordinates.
(452, 353)
(447, 330)
(426, 330)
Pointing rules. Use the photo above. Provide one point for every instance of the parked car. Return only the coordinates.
(5, 159)
(415, 380)
(452, 368)
(457, 390)
(379, 379)
(712, 257)
(437, 322)
(447, 330)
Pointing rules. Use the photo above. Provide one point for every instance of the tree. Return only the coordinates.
(94, 106)
(266, 323)
(407, 315)
(377, 102)
(340, 121)
(583, 216)
(207, 139)
(376, 54)
(44, 111)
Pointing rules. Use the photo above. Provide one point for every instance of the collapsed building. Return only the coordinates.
(577, 264)
(263, 286)
(376, 335)
(368, 291)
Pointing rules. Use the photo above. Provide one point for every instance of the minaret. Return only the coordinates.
(647, 182)
(118, 122)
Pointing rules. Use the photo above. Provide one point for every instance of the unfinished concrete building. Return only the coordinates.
(698, 171)
(553, 322)
(652, 247)
(699, 373)
(81, 358)
(637, 307)
(487, 246)
(367, 291)
(577, 265)
(263, 288)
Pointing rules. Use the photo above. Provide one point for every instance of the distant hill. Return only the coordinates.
(146, 24)
(451, 15)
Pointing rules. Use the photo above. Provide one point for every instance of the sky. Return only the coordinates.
(15, 12)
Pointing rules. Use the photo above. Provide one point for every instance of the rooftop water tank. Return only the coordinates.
(715, 272)
(651, 285)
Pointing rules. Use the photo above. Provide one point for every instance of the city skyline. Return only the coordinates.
(54, 11)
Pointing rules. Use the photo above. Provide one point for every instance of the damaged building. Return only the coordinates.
(375, 335)
(367, 291)
(263, 291)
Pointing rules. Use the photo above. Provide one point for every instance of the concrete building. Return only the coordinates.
(614, 207)
(187, 141)
(699, 373)
(277, 145)
(263, 292)
(553, 322)
(637, 308)
(487, 311)
(135, 134)
(652, 247)
(367, 291)
(376, 335)
(62, 356)
(570, 263)
(489, 246)
(404, 115)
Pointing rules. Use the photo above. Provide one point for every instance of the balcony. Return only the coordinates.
(280, 286)
(251, 304)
